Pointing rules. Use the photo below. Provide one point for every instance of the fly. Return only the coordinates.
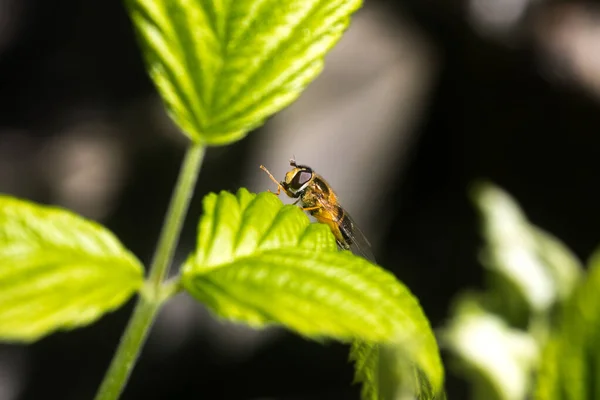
(316, 196)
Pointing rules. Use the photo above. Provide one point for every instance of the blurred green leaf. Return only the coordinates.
(563, 266)
(261, 263)
(387, 374)
(497, 358)
(222, 67)
(495, 336)
(570, 368)
(57, 270)
(366, 368)
(539, 265)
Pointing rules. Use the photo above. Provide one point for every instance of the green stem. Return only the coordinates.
(176, 214)
(131, 343)
(151, 297)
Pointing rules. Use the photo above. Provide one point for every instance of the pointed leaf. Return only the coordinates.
(261, 263)
(224, 66)
(500, 371)
(365, 356)
(57, 270)
(571, 361)
(539, 265)
(387, 374)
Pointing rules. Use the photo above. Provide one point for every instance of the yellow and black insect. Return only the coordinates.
(316, 196)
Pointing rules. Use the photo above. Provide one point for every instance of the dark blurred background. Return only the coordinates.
(418, 100)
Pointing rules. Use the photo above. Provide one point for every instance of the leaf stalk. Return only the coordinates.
(149, 303)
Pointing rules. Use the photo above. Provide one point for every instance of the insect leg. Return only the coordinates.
(311, 208)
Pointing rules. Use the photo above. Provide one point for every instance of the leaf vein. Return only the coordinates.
(248, 79)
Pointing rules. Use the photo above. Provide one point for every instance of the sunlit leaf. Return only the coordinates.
(539, 265)
(222, 67)
(366, 368)
(497, 358)
(570, 368)
(563, 266)
(495, 336)
(260, 262)
(57, 270)
(385, 373)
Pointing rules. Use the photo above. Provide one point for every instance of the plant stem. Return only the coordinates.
(151, 299)
(131, 343)
(180, 200)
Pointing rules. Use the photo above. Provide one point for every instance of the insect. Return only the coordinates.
(316, 196)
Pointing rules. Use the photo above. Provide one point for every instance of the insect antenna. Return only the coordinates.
(273, 179)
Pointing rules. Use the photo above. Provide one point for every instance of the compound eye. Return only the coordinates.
(300, 179)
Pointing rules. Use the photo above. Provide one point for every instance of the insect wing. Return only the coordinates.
(359, 244)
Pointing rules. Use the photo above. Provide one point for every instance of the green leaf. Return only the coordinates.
(497, 359)
(571, 362)
(366, 368)
(562, 265)
(387, 374)
(260, 262)
(57, 270)
(222, 67)
(542, 269)
(530, 273)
